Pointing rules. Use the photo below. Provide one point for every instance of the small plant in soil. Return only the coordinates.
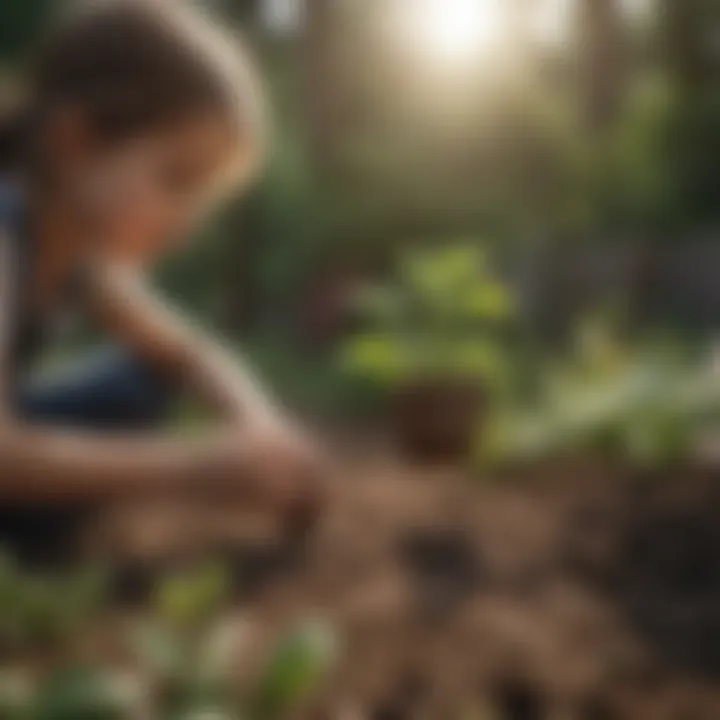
(435, 341)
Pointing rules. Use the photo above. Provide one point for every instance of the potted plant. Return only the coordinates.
(434, 342)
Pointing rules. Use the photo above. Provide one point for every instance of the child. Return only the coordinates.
(139, 114)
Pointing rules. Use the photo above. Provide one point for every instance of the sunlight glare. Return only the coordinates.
(551, 21)
(457, 28)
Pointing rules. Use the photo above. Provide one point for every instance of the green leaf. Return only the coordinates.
(298, 664)
(83, 694)
(475, 359)
(491, 301)
(189, 599)
(378, 356)
(437, 273)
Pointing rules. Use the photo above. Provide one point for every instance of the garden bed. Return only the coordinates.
(572, 591)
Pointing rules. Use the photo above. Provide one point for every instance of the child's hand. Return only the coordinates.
(279, 469)
(292, 473)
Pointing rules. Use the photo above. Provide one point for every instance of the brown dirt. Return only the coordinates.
(568, 593)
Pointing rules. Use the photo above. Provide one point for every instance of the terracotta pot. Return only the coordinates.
(437, 420)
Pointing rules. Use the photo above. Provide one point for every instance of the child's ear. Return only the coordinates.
(68, 137)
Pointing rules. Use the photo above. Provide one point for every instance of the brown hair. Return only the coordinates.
(135, 66)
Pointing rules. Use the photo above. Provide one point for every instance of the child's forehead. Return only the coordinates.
(204, 146)
(203, 143)
(203, 132)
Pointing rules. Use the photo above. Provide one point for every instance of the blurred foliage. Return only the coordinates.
(82, 693)
(443, 316)
(293, 671)
(186, 655)
(41, 609)
(190, 648)
(644, 402)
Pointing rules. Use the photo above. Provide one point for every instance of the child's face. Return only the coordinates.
(140, 197)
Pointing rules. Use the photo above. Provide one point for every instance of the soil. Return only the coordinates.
(570, 592)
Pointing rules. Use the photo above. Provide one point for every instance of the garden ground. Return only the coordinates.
(572, 592)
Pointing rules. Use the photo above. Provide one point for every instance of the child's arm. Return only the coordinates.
(56, 465)
(35, 463)
(67, 465)
(289, 469)
(130, 311)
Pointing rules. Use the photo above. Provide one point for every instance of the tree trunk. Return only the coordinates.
(687, 25)
(602, 60)
(322, 90)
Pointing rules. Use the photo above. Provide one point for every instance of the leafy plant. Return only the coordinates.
(443, 316)
(643, 403)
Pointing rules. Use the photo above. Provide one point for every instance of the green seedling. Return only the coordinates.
(300, 661)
